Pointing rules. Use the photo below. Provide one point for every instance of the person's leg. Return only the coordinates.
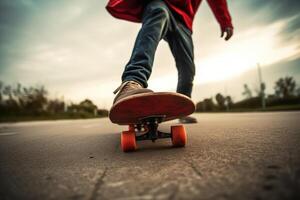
(181, 45)
(155, 25)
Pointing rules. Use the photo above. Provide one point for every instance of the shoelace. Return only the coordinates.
(124, 85)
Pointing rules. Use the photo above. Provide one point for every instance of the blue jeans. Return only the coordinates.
(158, 23)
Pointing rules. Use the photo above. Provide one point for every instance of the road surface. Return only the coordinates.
(228, 156)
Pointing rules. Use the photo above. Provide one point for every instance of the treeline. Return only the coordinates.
(286, 96)
(19, 102)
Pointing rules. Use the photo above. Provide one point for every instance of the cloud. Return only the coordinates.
(278, 9)
(13, 17)
(291, 31)
(26, 25)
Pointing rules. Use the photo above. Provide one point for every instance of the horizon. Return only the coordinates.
(70, 56)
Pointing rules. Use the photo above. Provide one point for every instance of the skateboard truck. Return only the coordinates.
(151, 128)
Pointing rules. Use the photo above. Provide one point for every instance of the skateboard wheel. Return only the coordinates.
(178, 136)
(128, 142)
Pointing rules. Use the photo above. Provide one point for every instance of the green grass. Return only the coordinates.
(268, 109)
(19, 118)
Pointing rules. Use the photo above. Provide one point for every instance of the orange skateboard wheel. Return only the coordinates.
(178, 134)
(128, 142)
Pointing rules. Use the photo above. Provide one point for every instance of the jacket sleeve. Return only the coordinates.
(221, 12)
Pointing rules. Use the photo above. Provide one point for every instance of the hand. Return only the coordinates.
(228, 31)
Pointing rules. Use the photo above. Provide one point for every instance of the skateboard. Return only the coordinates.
(144, 112)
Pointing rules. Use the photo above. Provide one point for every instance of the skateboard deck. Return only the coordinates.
(136, 107)
(144, 112)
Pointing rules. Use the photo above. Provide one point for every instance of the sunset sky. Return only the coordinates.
(77, 50)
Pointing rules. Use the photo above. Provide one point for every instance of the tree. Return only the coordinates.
(56, 106)
(18, 101)
(205, 105)
(35, 99)
(209, 104)
(1, 87)
(247, 92)
(298, 92)
(7, 90)
(229, 102)
(102, 112)
(200, 107)
(220, 100)
(87, 106)
(285, 87)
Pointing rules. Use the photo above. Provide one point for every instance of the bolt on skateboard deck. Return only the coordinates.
(144, 112)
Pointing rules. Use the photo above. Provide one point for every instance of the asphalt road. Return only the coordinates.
(228, 156)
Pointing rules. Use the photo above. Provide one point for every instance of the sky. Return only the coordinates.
(77, 50)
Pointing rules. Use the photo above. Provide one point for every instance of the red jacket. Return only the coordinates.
(132, 10)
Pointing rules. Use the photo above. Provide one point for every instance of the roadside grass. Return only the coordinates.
(60, 116)
(21, 118)
(267, 109)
